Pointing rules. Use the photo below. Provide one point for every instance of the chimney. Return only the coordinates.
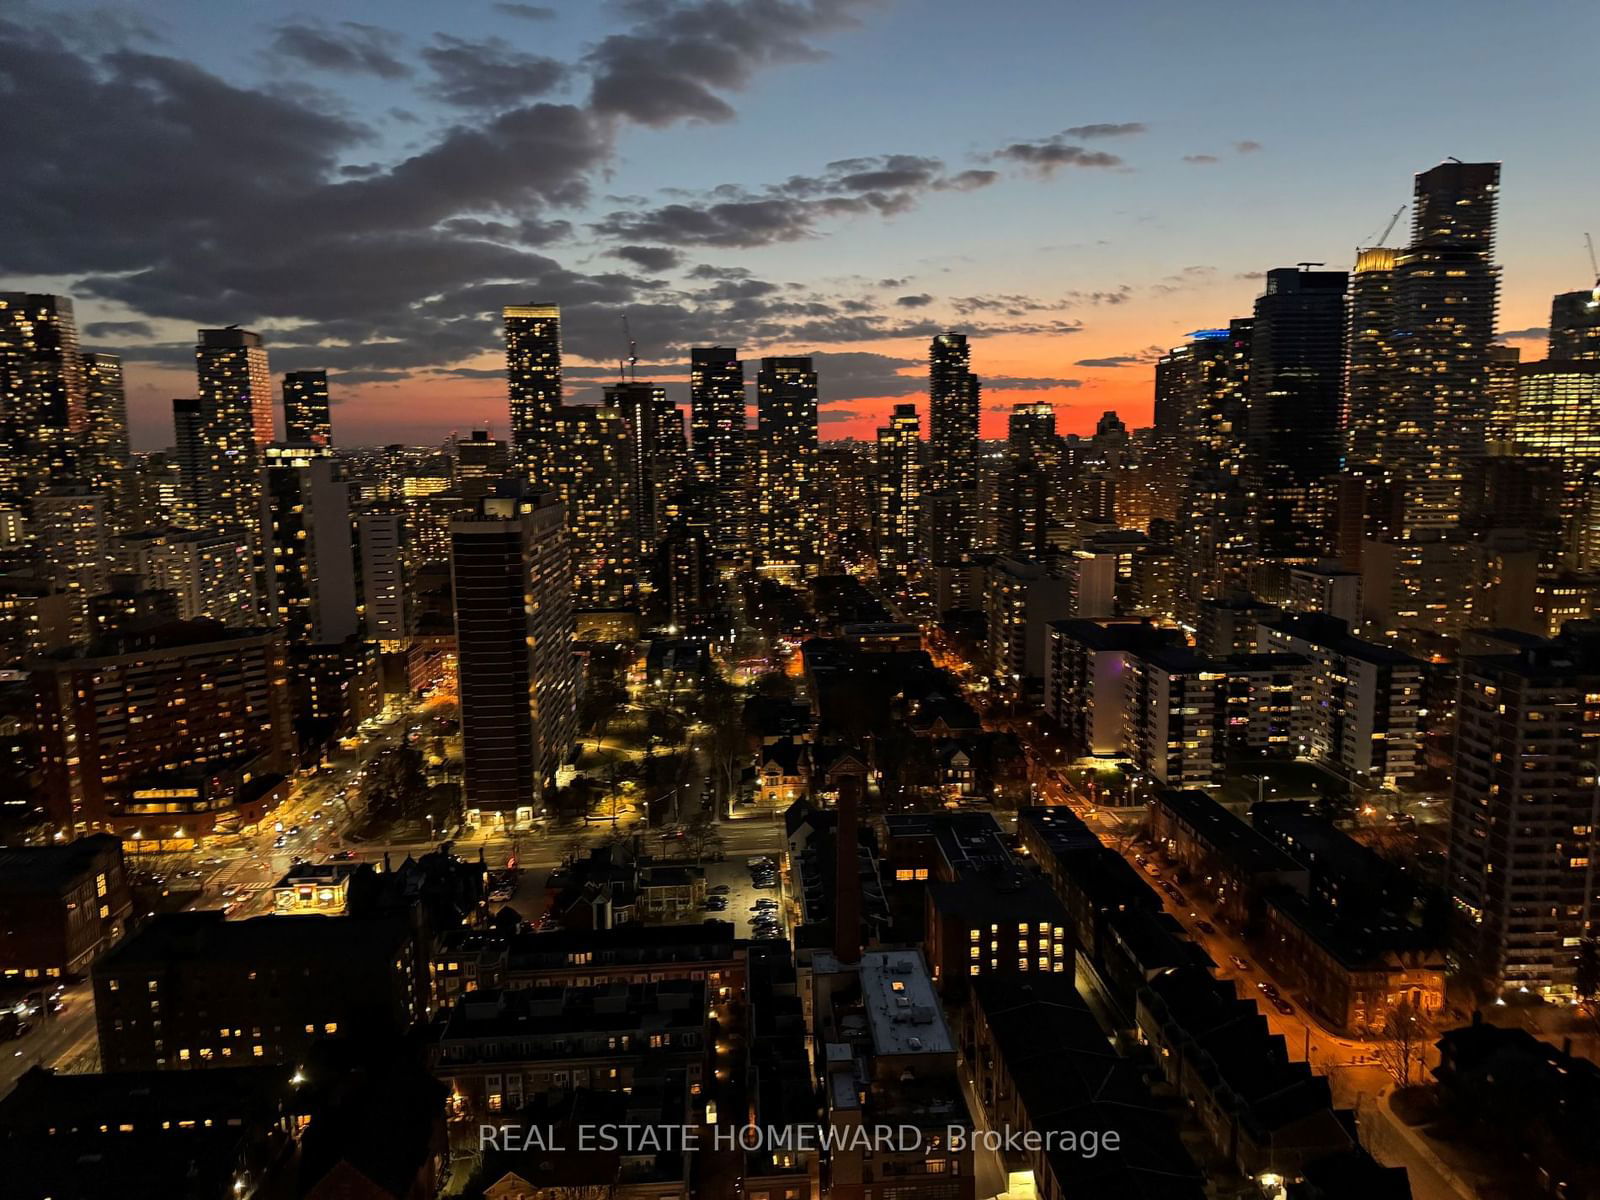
(847, 874)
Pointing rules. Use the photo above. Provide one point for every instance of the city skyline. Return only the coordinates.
(1075, 226)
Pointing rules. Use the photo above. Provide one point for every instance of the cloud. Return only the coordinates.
(1114, 360)
(527, 12)
(709, 271)
(738, 217)
(414, 252)
(1088, 132)
(1046, 156)
(837, 416)
(651, 258)
(116, 329)
(680, 56)
(490, 74)
(1247, 147)
(1027, 383)
(920, 300)
(1534, 333)
(1201, 159)
(347, 47)
(1181, 280)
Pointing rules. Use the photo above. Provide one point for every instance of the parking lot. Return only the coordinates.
(742, 893)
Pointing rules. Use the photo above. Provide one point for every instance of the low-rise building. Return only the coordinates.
(1262, 1111)
(496, 1049)
(1042, 1065)
(61, 906)
(192, 989)
(1222, 857)
(322, 888)
(470, 960)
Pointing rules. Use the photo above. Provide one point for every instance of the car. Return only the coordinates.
(230, 889)
(294, 831)
(1206, 927)
(1268, 990)
(341, 856)
(765, 902)
(280, 841)
(1239, 964)
(766, 885)
(721, 889)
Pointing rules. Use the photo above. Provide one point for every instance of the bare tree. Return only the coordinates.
(1404, 1044)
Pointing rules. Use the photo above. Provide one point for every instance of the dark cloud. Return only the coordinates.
(920, 300)
(117, 329)
(679, 56)
(1201, 159)
(1048, 155)
(734, 216)
(490, 74)
(1115, 360)
(527, 12)
(347, 46)
(1247, 146)
(292, 220)
(1534, 333)
(1124, 129)
(837, 416)
(651, 258)
(1027, 383)
(710, 271)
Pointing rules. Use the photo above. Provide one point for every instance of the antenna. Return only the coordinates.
(1306, 266)
(1594, 267)
(629, 367)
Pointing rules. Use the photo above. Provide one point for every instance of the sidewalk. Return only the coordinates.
(1392, 1142)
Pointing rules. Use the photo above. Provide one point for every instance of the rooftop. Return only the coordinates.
(902, 1008)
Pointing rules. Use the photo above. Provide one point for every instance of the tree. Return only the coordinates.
(1403, 1048)
(702, 837)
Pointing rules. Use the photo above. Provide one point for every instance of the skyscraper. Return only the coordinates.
(1447, 291)
(593, 475)
(1031, 431)
(514, 624)
(655, 444)
(784, 504)
(41, 393)
(307, 416)
(717, 419)
(533, 374)
(193, 462)
(900, 549)
(1370, 374)
(953, 405)
(1522, 815)
(103, 463)
(1575, 324)
(236, 400)
(380, 536)
(1295, 431)
(480, 461)
(311, 584)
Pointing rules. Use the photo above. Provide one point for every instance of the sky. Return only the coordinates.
(1075, 186)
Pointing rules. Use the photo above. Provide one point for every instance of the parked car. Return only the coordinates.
(1239, 964)
(1206, 927)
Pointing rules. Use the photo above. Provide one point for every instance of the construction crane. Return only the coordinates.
(1594, 267)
